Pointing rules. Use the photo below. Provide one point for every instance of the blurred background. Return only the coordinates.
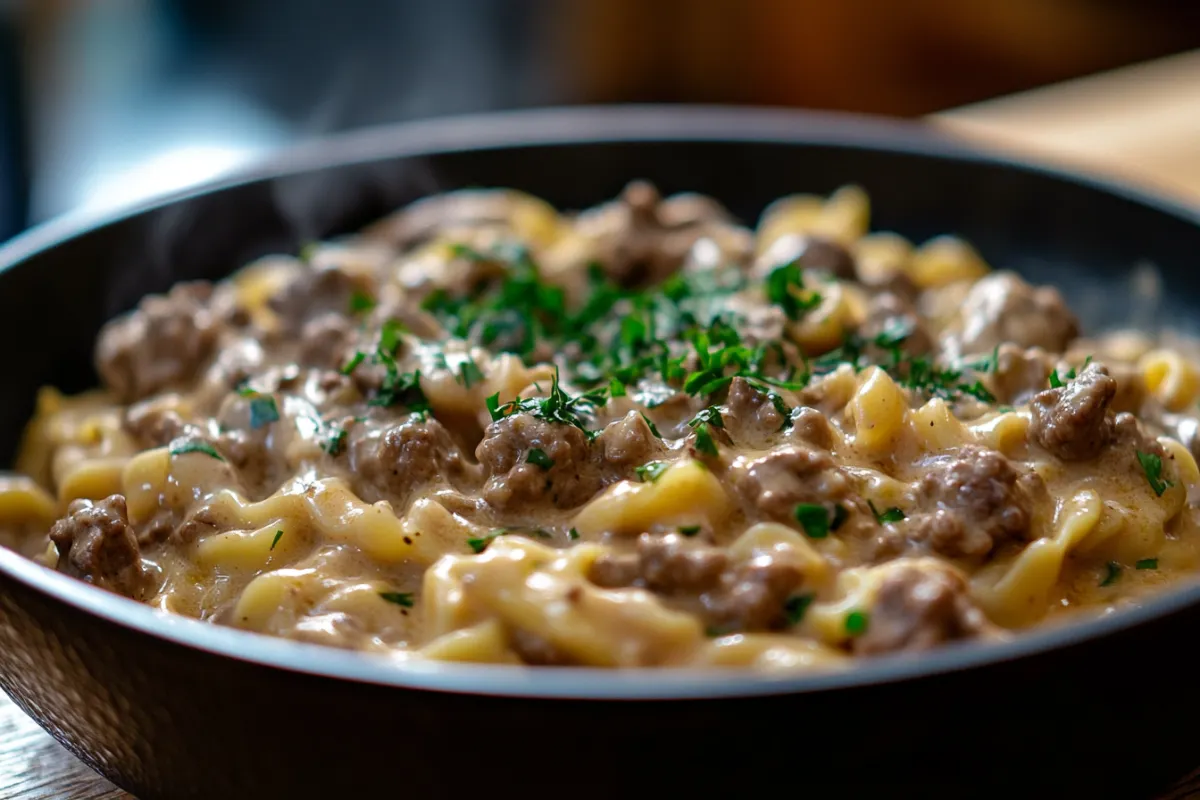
(103, 103)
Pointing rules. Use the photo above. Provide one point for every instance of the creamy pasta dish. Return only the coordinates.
(639, 435)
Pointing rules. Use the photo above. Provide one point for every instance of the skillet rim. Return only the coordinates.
(566, 126)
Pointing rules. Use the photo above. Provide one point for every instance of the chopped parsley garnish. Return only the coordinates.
(538, 456)
(796, 606)
(616, 388)
(361, 302)
(572, 534)
(478, 545)
(335, 441)
(814, 518)
(181, 447)
(263, 411)
(469, 373)
(493, 407)
(389, 337)
(978, 391)
(403, 599)
(651, 470)
(857, 623)
(1112, 572)
(1055, 381)
(785, 288)
(650, 424)
(1147, 563)
(892, 514)
(990, 363)
(557, 407)
(353, 363)
(401, 388)
(704, 440)
(278, 536)
(689, 530)
(1152, 465)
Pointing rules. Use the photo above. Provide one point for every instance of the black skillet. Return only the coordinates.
(169, 707)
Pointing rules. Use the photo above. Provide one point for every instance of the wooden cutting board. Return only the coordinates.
(1141, 124)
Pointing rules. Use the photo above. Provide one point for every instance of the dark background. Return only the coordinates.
(103, 103)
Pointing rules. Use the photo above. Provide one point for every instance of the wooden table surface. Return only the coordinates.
(1140, 123)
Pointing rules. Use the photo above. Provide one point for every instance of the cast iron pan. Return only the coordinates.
(169, 707)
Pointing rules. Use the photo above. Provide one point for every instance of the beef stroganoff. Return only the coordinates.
(640, 435)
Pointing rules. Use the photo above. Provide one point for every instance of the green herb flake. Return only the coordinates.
(978, 391)
(1112, 572)
(478, 545)
(892, 514)
(796, 606)
(1152, 465)
(402, 599)
(616, 388)
(689, 530)
(785, 288)
(263, 411)
(493, 407)
(704, 440)
(469, 374)
(181, 447)
(353, 363)
(335, 441)
(857, 623)
(650, 424)
(1147, 563)
(651, 471)
(573, 534)
(278, 536)
(361, 303)
(814, 518)
(389, 337)
(1055, 381)
(538, 457)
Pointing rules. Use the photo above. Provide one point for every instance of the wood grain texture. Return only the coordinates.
(35, 767)
(1140, 124)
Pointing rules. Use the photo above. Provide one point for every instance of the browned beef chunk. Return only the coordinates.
(566, 477)
(811, 427)
(96, 544)
(250, 454)
(892, 318)
(669, 564)
(674, 564)
(1019, 373)
(812, 253)
(1004, 308)
(327, 341)
(312, 293)
(920, 606)
(425, 218)
(161, 344)
(1074, 421)
(753, 417)
(152, 424)
(774, 484)
(397, 460)
(752, 596)
(537, 651)
(748, 597)
(974, 499)
(628, 442)
(644, 238)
